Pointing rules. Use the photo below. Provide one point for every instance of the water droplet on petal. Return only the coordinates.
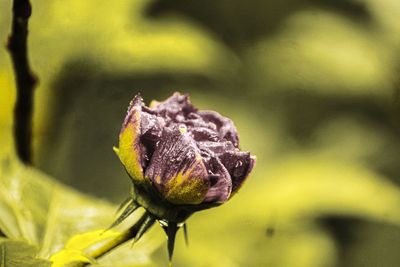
(238, 164)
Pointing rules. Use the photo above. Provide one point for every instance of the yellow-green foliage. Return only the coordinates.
(312, 87)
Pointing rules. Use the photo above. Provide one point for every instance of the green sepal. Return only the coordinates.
(150, 219)
(131, 206)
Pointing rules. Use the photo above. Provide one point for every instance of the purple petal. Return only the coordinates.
(225, 126)
(175, 108)
(220, 180)
(151, 130)
(219, 147)
(239, 165)
(189, 156)
(177, 170)
(203, 134)
(135, 107)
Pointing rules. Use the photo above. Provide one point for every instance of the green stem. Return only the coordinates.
(125, 236)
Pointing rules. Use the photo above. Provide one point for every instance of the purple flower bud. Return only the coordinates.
(182, 155)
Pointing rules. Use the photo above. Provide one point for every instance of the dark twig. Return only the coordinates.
(25, 79)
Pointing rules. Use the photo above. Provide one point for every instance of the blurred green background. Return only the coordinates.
(312, 86)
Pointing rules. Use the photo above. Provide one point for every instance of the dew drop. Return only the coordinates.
(179, 118)
(238, 164)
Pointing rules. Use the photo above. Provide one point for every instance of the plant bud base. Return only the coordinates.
(163, 210)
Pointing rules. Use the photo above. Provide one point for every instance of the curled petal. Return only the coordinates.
(151, 130)
(177, 170)
(237, 163)
(225, 126)
(203, 134)
(250, 167)
(240, 165)
(175, 108)
(218, 148)
(151, 126)
(220, 182)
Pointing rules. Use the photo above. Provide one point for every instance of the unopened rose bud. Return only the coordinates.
(181, 159)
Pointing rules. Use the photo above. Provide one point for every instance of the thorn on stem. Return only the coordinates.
(171, 230)
(131, 206)
(149, 221)
(185, 233)
(124, 204)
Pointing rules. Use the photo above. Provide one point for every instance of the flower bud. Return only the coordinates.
(181, 156)
(180, 159)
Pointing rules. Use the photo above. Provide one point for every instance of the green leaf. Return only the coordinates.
(77, 248)
(69, 257)
(36, 208)
(18, 254)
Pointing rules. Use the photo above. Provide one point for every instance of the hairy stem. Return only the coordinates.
(25, 79)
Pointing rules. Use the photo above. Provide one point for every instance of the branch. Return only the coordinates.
(25, 79)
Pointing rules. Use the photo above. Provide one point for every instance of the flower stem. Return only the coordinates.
(125, 236)
(25, 79)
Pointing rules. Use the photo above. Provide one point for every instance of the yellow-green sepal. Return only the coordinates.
(129, 151)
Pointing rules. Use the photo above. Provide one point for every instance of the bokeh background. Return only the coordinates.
(313, 87)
